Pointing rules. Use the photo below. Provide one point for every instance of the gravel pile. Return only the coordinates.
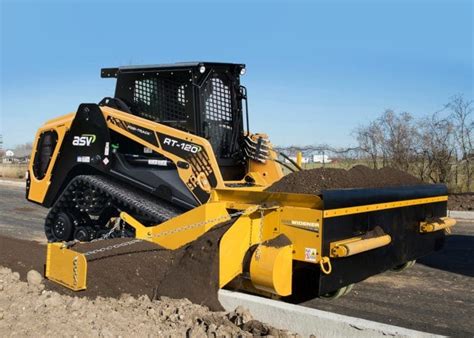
(28, 309)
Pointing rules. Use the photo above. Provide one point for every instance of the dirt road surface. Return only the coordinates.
(436, 295)
(18, 217)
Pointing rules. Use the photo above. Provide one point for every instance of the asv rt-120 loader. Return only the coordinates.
(170, 156)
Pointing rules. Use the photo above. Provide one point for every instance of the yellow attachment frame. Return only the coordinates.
(270, 267)
(66, 267)
(182, 229)
(238, 198)
(439, 224)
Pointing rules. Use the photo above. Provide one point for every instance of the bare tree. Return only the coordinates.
(399, 139)
(437, 140)
(462, 116)
(392, 138)
(370, 139)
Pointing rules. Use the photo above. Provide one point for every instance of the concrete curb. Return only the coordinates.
(21, 184)
(306, 321)
(469, 215)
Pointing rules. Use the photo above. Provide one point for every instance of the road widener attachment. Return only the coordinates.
(279, 243)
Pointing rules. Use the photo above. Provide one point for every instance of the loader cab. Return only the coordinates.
(202, 98)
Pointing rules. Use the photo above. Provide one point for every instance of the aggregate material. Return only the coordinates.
(30, 310)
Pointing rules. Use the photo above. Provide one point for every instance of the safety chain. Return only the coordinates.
(260, 235)
(111, 247)
(198, 224)
(109, 233)
(74, 271)
(70, 244)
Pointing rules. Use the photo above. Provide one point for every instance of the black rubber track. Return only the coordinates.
(119, 195)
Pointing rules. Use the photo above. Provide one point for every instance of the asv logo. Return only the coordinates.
(84, 140)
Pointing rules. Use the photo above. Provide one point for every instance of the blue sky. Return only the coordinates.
(315, 69)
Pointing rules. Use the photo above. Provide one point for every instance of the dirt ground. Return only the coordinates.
(190, 272)
(461, 202)
(27, 309)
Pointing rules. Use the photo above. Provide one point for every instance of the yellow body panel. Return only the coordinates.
(186, 174)
(232, 249)
(66, 267)
(271, 269)
(303, 226)
(39, 187)
(268, 172)
(263, 174)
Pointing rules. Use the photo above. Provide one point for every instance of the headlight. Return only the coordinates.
(243, 71)
(202, 69)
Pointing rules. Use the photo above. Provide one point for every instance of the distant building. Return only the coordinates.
(321, 159)
(303, 159)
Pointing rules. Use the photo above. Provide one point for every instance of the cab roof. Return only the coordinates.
(194, 65)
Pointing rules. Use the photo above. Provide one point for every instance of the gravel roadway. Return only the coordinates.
(436, 295)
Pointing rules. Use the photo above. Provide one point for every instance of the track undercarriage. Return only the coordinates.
(89, 208)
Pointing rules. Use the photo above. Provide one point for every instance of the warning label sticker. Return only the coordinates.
(310, 254)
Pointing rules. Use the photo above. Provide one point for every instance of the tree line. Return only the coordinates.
(437, 148)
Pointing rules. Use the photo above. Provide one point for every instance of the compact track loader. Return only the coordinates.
(170, 156)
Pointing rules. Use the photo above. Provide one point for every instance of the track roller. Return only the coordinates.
(404, 266)
(61, 228)
(339, 292)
